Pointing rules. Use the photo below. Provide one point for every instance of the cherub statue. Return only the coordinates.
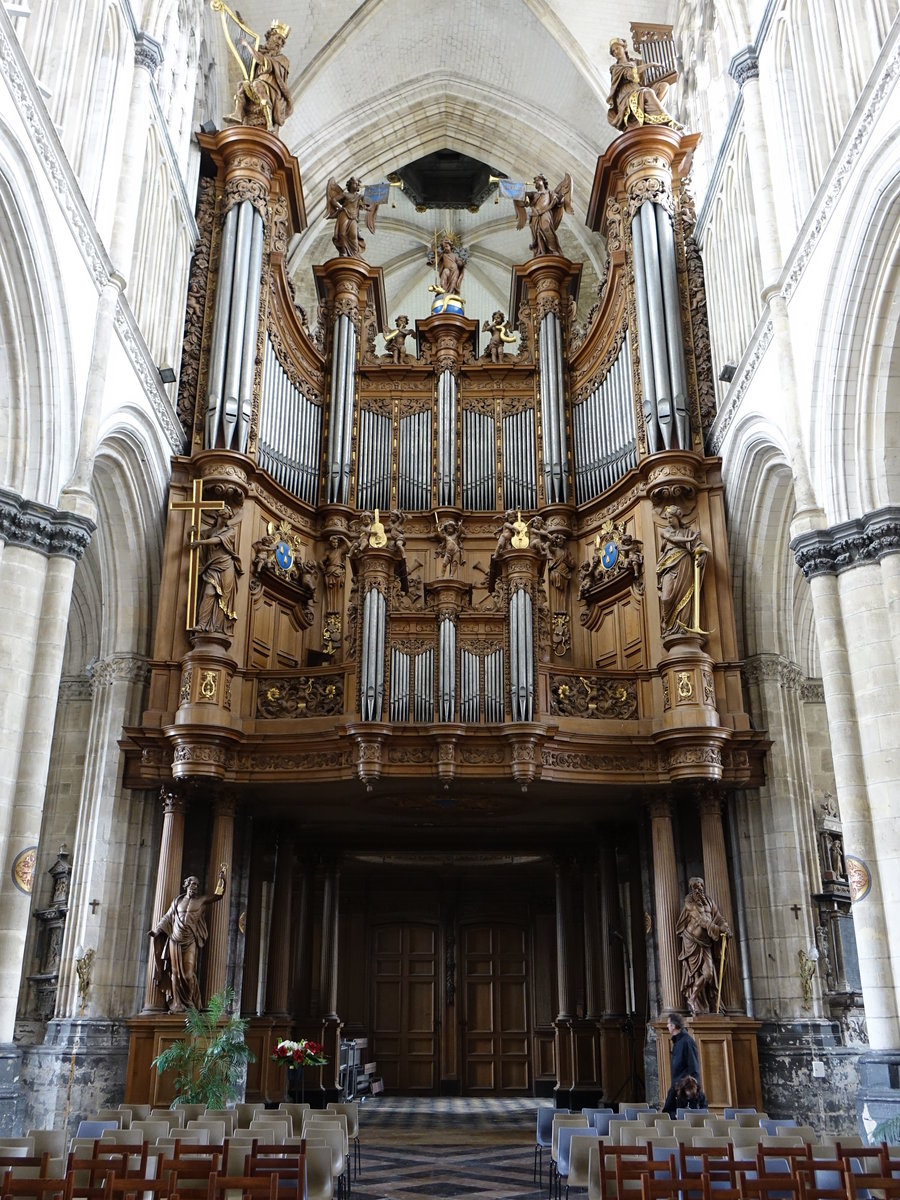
(344, 207)
(540, 536)
(450, 535)
(499, 329)
(631, 101)
(395, 341)
(395, 535)
(547, 208)
(262, 99)
(506, 531)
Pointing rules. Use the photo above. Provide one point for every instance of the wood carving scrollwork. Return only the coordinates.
(279, 697)
(594, 697)
(239, 190)
(196, 305)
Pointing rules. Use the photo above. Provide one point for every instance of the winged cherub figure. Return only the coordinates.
(345, 206)
(547, 208)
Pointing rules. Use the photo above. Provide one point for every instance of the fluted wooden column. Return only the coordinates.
(562, 944)
(252, 945)
(665, 883)
(301, 978)
(718, 888)
(168, 880)
(330, 920)
(593, 953)
(614, 999)
(279, 964)
(221, 852)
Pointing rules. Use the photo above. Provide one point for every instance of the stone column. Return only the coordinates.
(330, 925)
(302, 975)
(592, 942)
(715, 874)
(220, 854)
(279, 964)
(168, 879)
(665, 880)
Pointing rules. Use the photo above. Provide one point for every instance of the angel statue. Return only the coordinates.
(547, 208)
(632, 100)
(344, 207)
(449, 262)
(262, 99)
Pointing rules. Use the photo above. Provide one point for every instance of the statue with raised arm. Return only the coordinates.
(220, 567)
(449, 262)
(178, 939)
(395, 341)
(632, 101)
(547, 207)
(499, 329)
(346, 206)
(450, 534)
(700, 928)
(679, 573)
(263, 99)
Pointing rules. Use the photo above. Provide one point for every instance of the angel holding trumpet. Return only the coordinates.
(345, 206)
(547, 207)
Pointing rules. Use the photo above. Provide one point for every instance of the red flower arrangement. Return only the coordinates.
(300, 1054)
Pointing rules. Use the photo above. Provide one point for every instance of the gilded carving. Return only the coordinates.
(595, 697)
(684, 686)
(562, 636)
(209, 681)
(184, 696)
(617, 555)
(279, 697)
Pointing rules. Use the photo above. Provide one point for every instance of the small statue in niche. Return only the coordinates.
(333, 568)
(700, 928)
(345, 206)
(679, 574)
(836, 857)
(560, 565)
(539, 537)
(220, 567)
(631, 101)
(395, 341)
(178, 939)
(501, 332)
(547, 208)
(450, 534)
(263, 99)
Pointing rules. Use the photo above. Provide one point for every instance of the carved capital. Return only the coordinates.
(46, 530)
(850, 544)
(148, 53)
(744, 66)
(173, 800)
(659, 808)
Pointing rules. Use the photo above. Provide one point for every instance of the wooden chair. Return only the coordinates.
(136, 1189)
(609, 1158)
(36, 1189)
(288, 1169)
(219, 1187)
(769, 1187)
(887, 1187)
(89, 1174)
(25, 1166)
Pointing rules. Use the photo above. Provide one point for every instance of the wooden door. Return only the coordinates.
(404, 1007)
(495, 1041)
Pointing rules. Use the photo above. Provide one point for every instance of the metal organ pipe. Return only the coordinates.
(235, 352)
(251, 327)
(658, 348)
(648, 384)
(336, 411)
(446, 438)
(604, 433)
(220, 330)
(447, 644)
(372, 656)
(552, 389)
(290, 430)
(675, 343)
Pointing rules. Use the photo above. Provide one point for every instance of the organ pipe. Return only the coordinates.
(371, 683)
(446, 440)
(604, 440)
(553, 421)
(447, 678)
(290, 431)
(340, 427)
(521, 656)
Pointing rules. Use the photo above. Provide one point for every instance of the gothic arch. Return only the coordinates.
(38, 436)
(856, 460)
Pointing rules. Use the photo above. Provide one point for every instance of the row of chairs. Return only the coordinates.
(191, 1172)
(859, 1173)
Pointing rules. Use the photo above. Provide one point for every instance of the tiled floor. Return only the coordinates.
(482, 1149)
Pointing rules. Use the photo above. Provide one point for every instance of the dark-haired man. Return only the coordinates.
(685, 1059)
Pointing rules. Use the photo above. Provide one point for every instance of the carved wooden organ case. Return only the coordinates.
(501, 616)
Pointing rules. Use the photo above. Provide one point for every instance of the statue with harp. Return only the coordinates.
(262, 100)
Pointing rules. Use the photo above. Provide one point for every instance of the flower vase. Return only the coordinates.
(295, 1083)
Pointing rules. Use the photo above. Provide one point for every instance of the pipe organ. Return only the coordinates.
(468, 586)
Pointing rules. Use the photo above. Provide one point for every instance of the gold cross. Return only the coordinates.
(196, 506)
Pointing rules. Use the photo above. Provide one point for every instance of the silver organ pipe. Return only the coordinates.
(340, 428)
(290, 429)
(373, 464)
(447, 675)
(371, 677)
(479, 461)
(603, 431)
(521, 656)
(399, 706)
(446, 438)
(519, 473)
(414, 473)
(674, 341)
(663, 373)
(229, 399)
(469, 665)
(553, 421)
(424, 687)
(493, 687)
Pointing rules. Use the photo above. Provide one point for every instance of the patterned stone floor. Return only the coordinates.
(481, 1149)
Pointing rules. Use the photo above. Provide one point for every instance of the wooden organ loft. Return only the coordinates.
(458, 786)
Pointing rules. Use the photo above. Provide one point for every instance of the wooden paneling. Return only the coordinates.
(496, 1036)
(404, 1006)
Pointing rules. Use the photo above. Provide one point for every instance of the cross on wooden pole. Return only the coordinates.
(196, 506)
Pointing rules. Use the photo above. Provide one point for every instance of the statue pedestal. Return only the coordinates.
(729, 1060)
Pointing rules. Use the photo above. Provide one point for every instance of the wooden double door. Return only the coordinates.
(460, 1014)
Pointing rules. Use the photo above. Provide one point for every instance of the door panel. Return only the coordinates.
(404, 1018)
(495, 1041)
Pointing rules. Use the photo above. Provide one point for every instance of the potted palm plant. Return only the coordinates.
(209, 1064)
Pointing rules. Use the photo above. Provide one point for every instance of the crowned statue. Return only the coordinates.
(262, 99)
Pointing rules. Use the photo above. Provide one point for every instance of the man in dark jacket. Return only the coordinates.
(685, 1059)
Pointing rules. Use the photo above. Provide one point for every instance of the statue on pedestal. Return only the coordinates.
(700, 929)
(547, 208)
(679, 574)
(177, 941)
(450, 535)
(220, 567)
(632, 101)
(395, 341)
(499, 329)
(263, 99)
(345, 206)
